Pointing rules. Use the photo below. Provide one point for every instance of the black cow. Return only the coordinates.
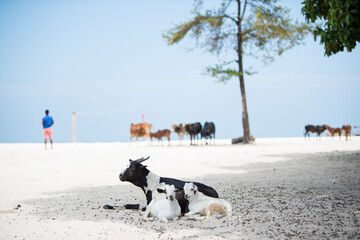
(314, 129)
(140, 176)
(193, 129)
(208, 131)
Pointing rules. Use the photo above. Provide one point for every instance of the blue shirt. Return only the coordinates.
(48, 121)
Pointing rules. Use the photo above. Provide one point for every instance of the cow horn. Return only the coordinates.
(140, 160)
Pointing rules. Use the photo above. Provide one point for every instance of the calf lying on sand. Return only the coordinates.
(164, 209)
(205, 205)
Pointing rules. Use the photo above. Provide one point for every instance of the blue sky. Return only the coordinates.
(98, 56)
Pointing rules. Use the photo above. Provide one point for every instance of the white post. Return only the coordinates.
(73, 126)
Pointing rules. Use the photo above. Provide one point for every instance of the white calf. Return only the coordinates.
(205, 205)
(164, 209)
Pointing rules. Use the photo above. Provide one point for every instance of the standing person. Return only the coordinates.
(47, 122)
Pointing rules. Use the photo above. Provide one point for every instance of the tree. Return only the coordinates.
(338, 23)
(249, 27)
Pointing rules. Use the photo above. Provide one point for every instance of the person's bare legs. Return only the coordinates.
(45, 143)
(51, 143)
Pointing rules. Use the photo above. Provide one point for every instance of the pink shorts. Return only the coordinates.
(48, 133)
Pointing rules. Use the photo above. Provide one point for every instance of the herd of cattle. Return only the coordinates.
(319, 129)
(208, 131)
(191, 129)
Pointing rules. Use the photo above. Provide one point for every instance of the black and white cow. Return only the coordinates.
(140, 176)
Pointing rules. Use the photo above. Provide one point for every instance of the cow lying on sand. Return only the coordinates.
(140, 176)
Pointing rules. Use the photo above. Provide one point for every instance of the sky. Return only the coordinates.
(109, 58)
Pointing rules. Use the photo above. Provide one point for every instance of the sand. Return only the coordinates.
(279, 188)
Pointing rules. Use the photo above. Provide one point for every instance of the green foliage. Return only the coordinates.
(223, 75)
(338, 23)
(258, 28)
(271, 31)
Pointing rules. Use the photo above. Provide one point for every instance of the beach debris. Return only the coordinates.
(241, 140)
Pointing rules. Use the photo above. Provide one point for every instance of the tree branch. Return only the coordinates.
(231, 18)
(243, 13)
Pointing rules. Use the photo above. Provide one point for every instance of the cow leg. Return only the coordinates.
(130, 141)
(127, 206)
(307, 134)
(147, 137)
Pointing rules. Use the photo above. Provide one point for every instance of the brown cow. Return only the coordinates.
(160, 134)
(347, 130)
(314, 129)
(140, 130)
(180, 130)
(333, 131)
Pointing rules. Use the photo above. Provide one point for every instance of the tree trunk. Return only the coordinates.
(245, 117)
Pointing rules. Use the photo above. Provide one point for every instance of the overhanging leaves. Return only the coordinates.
(338, 23)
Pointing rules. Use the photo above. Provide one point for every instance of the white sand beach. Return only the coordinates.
(279, 188)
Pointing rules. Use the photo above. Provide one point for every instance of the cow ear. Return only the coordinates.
(130, 160)
(161, 190)
(143, 166)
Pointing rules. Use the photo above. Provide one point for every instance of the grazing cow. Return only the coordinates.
(140, 176)
(140, 130)
(193, 129)
(314, 129)
(208, 131)
(160, 134)
(333, 131)
(180, 130)
(347, 130)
